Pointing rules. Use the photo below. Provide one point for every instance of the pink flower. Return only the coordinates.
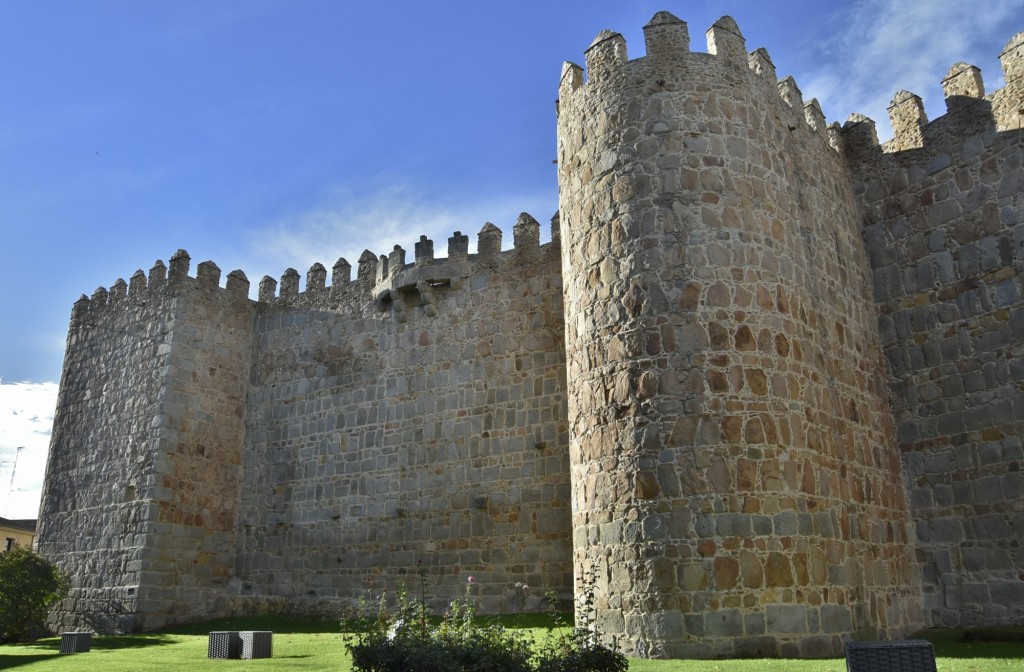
(470, 579)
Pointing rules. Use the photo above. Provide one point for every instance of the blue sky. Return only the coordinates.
(267, 134)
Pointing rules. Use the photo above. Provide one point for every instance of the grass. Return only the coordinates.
(318, 645)
(298, 645)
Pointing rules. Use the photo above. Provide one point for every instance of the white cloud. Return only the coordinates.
(26, 420)
(888, 45)
(349, 223)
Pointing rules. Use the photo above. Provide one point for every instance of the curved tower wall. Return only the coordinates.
(736, 481)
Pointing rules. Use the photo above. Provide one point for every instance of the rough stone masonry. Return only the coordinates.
(763, 390)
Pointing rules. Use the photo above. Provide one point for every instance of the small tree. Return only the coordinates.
(29, 584)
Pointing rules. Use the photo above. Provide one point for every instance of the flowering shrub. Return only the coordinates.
(520, 592)
(404, 639)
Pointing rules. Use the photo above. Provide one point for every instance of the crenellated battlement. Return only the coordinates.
(386, 282)
(719, 325)
(669, 64)
(391, 284)
(162, 280)
(969, 111)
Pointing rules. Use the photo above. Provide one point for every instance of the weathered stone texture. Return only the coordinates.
(942, 220)
(733, 454)
(142, 493)
(436, 443)
(233, 456)
(766, 392)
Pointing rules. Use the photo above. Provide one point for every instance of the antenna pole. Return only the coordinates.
(14, 469)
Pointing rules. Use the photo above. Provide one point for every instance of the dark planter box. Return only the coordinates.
(257, 643)
(224, 645)
(909, 655)
(75, 642)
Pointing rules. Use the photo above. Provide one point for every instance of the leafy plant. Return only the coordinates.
(29, 584)
(580, 650)
(405, 639)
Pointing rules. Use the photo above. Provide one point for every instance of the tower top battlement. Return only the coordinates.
(669, 61)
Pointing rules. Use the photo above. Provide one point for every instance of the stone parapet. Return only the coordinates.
(969, 111)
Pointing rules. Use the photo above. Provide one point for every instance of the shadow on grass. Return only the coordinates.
(51, 645)
(9, 662)
(276, 624)
(286, 625)
(49, 648)
(1006, 643)
(115, 642)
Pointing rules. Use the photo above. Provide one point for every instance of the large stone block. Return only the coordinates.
(788, 619)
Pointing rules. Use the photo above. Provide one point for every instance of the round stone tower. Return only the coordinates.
(736, 481)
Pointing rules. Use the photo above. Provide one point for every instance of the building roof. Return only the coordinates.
(28, 525)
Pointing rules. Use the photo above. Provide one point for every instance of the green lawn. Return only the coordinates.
(317, 645)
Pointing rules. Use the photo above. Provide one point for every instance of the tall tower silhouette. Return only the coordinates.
(736, 478)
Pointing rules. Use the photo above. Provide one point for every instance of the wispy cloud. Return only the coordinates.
(347, 223)
(344, 224)
(26, 420)
(883, 46)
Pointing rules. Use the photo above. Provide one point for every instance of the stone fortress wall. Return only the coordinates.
(433, 440)
(734, 458)
(764, 385)
(141, 497)
(235, 455)
(942, 208)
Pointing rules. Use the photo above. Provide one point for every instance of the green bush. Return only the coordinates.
(406, 640)
(29, 584)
